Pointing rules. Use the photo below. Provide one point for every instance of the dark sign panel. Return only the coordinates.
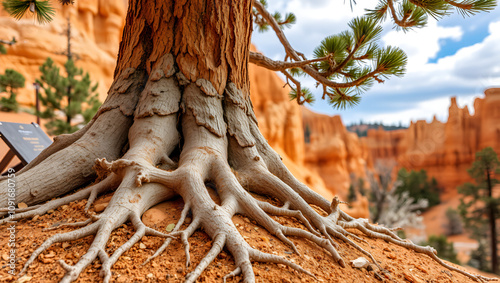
(26, 140)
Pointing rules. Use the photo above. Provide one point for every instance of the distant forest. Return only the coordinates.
(361, 128)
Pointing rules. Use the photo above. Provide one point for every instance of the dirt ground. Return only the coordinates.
(402, 265)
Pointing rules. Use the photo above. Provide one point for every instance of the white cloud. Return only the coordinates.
(422, 44)
(426, 88)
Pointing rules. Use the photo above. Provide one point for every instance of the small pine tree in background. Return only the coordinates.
(10, 81)
(71, 94)
(445, 249)
(479, 258)
(479, 207)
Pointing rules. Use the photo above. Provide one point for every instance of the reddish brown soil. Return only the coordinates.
(403, 265)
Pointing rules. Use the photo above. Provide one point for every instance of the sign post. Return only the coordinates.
(25, 141)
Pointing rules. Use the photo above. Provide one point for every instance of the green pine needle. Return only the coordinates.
(296, 72)
(3, 50)
(365, 30)
(341, 100)
(380, 12)
(306, 95)
(471, 7)
(277, 16)
(67, 2)
(262, 27)
(391, 61)
(42, 9)
(435, 8)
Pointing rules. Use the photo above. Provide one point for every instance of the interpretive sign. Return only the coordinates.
(24, 140)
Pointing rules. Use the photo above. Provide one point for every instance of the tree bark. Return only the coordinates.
(178, 119)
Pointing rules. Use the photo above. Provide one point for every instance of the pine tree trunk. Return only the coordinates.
(492, 223)
(178, 120)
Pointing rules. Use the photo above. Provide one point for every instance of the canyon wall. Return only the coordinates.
(324, 163)
(333, 152)
(96, 27)
(444, 150)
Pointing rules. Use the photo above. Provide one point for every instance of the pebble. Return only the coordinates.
(35, 218)
(265, 239)
(50, 255)
(179, 270)
(22, 205)
(360, 262)
(150, 275)
(121, 279)
(23, 279)
(188, 220)
(142, 246)
(50, 211)
(410, 277)
(391, 255)
(170, 227)
(99, 207)
(5, 257)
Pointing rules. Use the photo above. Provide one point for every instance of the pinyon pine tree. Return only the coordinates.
(10, 81)
(178, 118)
(72, 94)
(480, 208)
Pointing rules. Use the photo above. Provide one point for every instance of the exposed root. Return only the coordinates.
(263, 257)
(268, 208)
(217, 246)
(53, 204)
(222, 146)
(58, 238)
(184, 236)
(233, 273)
(109, 183)
(19, 210)
(141, 231)
(76, 224)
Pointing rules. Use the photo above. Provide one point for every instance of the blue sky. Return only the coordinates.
(453, 57)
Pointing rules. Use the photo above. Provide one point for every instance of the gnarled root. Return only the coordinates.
(222, 147)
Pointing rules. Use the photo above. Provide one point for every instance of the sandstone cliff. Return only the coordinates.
(444, 150)
(333, 152)
(96, 31)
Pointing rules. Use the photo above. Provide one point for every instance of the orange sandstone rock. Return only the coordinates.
(96, 31)
(444, 150)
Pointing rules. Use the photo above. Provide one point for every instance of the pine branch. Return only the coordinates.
(279, 32)
(263, 61)
(471, 7)
(41, 9)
